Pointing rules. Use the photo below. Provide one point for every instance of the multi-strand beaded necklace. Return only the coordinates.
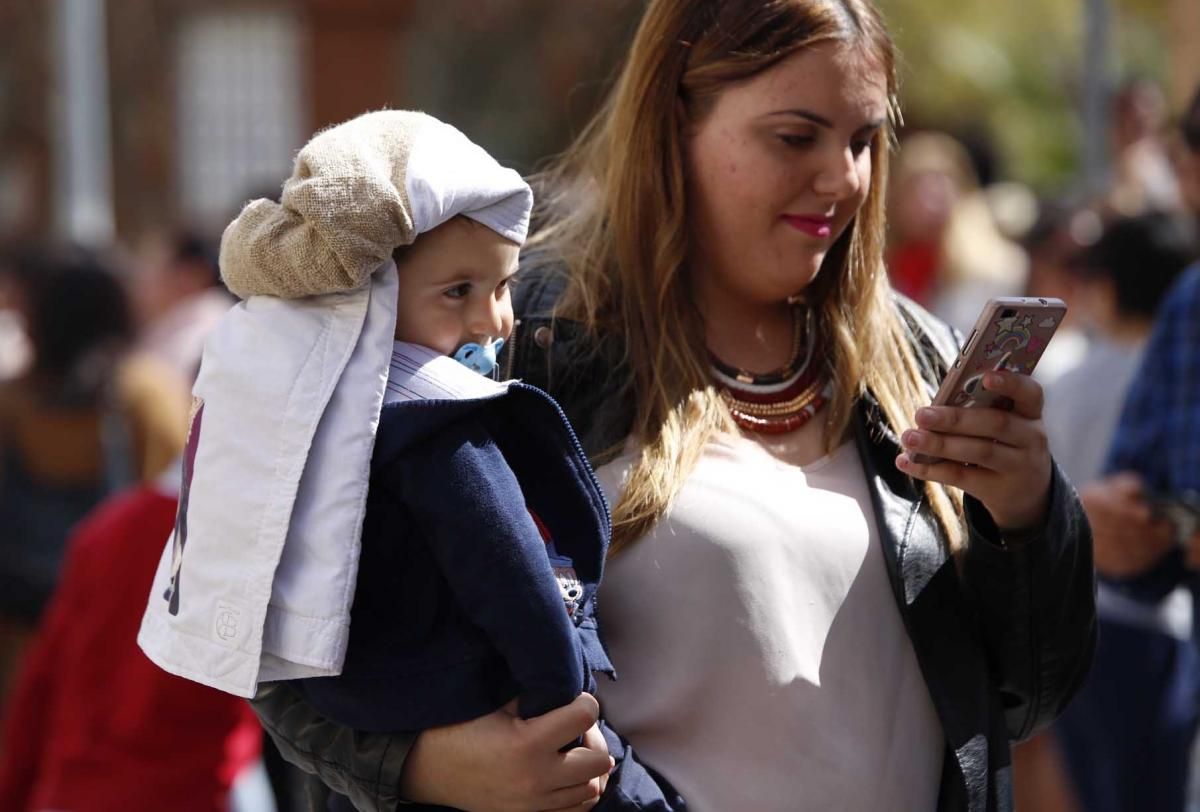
(781, 401)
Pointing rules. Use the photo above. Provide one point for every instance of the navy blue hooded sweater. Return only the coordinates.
(463, 601)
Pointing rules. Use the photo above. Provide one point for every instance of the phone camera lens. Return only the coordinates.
(1007, 313)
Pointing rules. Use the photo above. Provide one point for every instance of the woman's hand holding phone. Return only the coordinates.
(1000, 457)
(984, 431)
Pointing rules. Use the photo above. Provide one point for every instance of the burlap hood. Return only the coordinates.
(359, 190)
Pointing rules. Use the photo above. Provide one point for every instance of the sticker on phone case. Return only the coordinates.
(1012, 335)
(972, 391)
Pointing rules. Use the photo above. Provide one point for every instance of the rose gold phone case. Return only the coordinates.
(1011, 333)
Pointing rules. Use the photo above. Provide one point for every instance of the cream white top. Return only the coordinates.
(763, 663)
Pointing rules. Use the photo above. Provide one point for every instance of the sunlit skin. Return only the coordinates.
(455, 287)
(776, 172)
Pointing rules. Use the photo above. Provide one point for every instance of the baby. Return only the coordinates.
(484, 532)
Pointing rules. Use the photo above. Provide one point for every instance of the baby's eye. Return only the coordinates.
(458, 291)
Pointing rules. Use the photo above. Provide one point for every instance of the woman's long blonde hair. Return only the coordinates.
(615, 210)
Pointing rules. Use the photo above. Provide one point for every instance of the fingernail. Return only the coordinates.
(993, 381)
(926, 417)
(912, 438)
(902, 462)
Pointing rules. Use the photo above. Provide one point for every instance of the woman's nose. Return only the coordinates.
(838, 178)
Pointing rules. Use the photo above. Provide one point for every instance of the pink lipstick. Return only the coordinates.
(813, 225)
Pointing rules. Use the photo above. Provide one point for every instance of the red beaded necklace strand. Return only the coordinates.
(781, 401)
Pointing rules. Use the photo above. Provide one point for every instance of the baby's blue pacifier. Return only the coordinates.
(479, 357)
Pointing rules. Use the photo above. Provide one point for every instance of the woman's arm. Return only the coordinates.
(498, 762)
(1028, 561)
(1035, 599)
(364, 767)
(467, 507)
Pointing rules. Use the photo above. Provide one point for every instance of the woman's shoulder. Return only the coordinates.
(935, 343)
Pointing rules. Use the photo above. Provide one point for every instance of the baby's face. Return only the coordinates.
(454, 287)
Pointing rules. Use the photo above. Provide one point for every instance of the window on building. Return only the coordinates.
(240, 108)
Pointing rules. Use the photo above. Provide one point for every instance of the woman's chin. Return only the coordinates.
(797, 283)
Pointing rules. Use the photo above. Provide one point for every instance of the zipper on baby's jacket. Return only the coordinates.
(512, 350)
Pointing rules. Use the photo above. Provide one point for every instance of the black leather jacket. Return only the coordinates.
(1004, 633)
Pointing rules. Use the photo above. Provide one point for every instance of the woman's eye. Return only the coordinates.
(859, 147)
(458, 291)
(796, 140)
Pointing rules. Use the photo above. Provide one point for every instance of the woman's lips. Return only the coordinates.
(813, 225)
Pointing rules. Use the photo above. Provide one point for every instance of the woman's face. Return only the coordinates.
(776, 171)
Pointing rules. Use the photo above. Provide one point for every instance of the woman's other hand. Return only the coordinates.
(503, 763)
(1000, 457)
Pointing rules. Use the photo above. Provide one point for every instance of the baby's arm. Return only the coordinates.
(469, 507)
(491, 574)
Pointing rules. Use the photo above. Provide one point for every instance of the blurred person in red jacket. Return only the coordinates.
(91, 723)
(94, 726)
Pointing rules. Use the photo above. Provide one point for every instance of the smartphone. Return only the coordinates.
(1011, 333)
(1181, 510)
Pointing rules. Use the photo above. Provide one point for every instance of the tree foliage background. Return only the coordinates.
(1013, 70)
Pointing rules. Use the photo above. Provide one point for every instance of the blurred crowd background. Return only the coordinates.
(1043, 154)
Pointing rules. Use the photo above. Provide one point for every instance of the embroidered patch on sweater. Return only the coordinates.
(569, 584)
